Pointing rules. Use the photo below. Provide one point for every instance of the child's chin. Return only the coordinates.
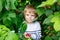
(29, 21)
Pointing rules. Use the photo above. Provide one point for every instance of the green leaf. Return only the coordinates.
(29, 38)
(3, 27)
(10, 4)
(58, 7)
(48, 12)
(3, 31)
(6, 34)
(58, 2)
(9, 18)
(6, 22)
(23, 27)
(28, 1)
(56, 21)
(58, 34)
(40, 11)
(57, 25)
(42, 4)
(48, 38)
(54, 37)
(11, 36)
(7, 5)
(14, 20)
(59, 38)
(48, 20)
(1, 5)
(47, 2)
(51, 2)
(12, 15)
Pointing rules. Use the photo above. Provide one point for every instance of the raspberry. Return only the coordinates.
(28, 35)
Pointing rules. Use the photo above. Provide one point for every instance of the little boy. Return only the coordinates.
(33, 27)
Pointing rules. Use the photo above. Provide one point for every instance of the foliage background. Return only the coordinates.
(11, 16)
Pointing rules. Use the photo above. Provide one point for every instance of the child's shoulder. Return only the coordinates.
(36, 22)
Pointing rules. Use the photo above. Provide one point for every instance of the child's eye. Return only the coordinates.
(32, 15)
(27, 14)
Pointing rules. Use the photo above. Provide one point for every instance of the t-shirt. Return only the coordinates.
(34, 29)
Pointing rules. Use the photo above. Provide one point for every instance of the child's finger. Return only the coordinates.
(27, 35)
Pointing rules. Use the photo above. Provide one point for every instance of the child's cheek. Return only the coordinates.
(26, 17)
(32, 18)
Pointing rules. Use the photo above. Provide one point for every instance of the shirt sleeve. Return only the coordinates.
(38, 32)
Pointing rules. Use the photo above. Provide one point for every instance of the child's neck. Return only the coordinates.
(29, 22)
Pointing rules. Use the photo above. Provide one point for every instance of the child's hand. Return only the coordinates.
(27, 35)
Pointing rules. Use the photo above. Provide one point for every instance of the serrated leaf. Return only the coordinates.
(10, 4)
(3, 31)
(9, 18)
(2, 27)
(48, 12)
(47, 2)
(56, 21)
(51, 2)
(48, 20)
(11, 36)
(6, 34)
(56, 17)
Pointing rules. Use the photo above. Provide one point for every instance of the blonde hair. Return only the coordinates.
(30, 7)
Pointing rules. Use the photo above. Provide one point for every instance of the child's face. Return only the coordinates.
(30, 16)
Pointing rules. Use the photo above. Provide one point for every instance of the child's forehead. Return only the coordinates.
(30, 13)
(30, 10)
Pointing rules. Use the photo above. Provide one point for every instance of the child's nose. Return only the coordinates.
(29, 16)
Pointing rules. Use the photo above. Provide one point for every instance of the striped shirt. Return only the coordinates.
(34, 29)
